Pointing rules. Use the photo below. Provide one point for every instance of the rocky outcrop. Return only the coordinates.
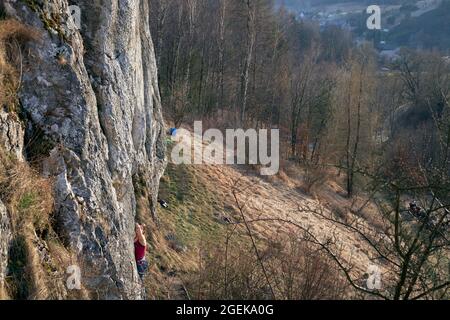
(11, 134)
(5, 238)
(11, 143)
(91, 98)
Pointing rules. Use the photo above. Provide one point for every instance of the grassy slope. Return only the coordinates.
(192, 206)
(188, 223)
(199, 195)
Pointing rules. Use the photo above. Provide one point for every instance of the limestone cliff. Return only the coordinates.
(93, 113)
(5, 238)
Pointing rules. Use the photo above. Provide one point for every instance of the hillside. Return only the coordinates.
(414, 24)
(202, 209)
(429, 30)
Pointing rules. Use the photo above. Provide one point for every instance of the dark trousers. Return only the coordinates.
(142, 267)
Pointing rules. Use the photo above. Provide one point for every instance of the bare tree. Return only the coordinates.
(411, 247)
(250, 7)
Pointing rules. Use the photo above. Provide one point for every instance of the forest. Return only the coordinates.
(242, 63)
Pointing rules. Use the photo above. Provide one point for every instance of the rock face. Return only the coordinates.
(91, 96)
(5, 238)
(11, 134)
(11, 141)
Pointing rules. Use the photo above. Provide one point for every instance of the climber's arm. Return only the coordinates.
(141, 237)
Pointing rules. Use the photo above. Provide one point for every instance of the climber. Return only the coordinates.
(140, 246)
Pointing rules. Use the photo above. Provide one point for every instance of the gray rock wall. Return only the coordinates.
(5, 238)
(93, 94)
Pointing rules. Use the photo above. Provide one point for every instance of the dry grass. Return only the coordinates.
(197, 193)
(13, 35)
(29, 196)
(296, 269)
(189, 219)
(37, 258)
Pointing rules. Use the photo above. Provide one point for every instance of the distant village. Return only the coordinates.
(339, 13)
(352, 15)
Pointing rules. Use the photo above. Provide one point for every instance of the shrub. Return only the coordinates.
(296, 270)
